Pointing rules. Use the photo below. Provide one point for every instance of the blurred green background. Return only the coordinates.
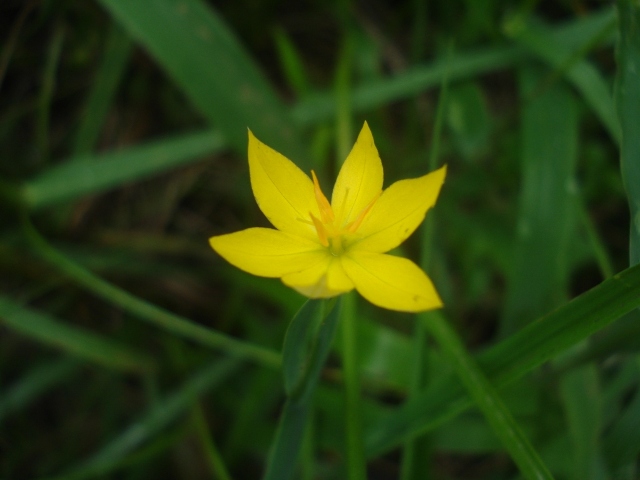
(130, 350)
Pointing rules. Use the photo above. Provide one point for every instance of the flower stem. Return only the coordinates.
(356, 466)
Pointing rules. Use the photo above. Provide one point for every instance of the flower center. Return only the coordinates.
(330, 234)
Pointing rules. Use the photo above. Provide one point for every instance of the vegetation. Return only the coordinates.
(131, 350)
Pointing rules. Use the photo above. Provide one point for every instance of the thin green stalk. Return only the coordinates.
(415, 466)
(487, 399)
(595, 240)
(343, 102)
(307, 453)
(214, 458)
(147, 311)
(46, 94)
(356, 465)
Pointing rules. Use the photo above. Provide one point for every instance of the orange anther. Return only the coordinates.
(353, 226)
(326, 212)
(320, 230)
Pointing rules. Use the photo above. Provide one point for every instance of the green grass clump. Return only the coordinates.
(129, 349)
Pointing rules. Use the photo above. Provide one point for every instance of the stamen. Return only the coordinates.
(353, 226)
(304, 220)
(320, 230)
(326, 212)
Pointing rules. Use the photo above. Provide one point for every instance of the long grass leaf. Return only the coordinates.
(147, 311)
(510, 359)
(569, 63)
(35, 382)
(581, 397)
(194, 45)
(627, 97)
(93, 174)
(538, 277)
(488, 400)
(108, 77)
(43, 328)
(157, 418)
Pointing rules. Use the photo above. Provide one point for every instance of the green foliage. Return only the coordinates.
(130, 350)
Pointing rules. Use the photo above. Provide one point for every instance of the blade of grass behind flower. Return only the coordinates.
(46, 93)
(34, 383)
(291, 62)
(416, 466)
(627, 98)
(622, 441)
(43, 328)
(463, 65)
(153, 421)
(487, 399)
(538, 278)
(96, 173)
(580, 394)
(569, 63)
(513, 357)
(116, 56)
(202, 55)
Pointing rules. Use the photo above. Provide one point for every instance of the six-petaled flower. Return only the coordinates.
(323, 249)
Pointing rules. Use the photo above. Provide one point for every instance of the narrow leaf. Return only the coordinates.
(293, 419)
(95, 173)
(157, 418)
(510, 359)
(193, 44)
(627, 97)
(76, 341)
(487, 399)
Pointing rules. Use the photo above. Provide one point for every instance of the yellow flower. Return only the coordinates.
(322, 248)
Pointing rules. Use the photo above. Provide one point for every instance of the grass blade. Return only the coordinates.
(627, 97)
(488, 400)
(146, 311)
(35, 382)
(93, 174)
(510, 359)
(153, 421)
(116, 56)
(73, 340)
(568, 62)
(581, 396)
(192, 43)
(538, 277)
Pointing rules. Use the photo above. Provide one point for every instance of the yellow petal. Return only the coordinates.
(267, 252)
(359, 180)
(391, 282)
(398, 212)
(284, 192)
(323, 280)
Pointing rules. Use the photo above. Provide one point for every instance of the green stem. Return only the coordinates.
(356, 465)
(487, 399)
(46, 94)
(414, 466)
